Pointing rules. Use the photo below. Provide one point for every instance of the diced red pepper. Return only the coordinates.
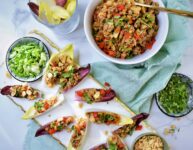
(107, 84)
(127, 35)
(101, 45)
(102, 92)
(95, 114)
(117, 14)
(150, 44)
(120, 7)
(139, 127)
(46, 105)
(136, 36)
(79, 93)
(51, 131)
(111, 53)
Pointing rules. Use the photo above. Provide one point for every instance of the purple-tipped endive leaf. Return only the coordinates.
(42, 130)
(99, 95)
(34, 8)
(6, 90)
(103, 146)
(129, 128)
(61, 2)
(139, 118)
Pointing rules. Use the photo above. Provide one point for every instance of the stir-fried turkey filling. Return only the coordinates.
(59, 124)
(125, 130)
(103, 117)
(79, 133)
(24, 91)
(116, 143)
(43, 105)
(123, 30)
(92, 95)
(62, 71)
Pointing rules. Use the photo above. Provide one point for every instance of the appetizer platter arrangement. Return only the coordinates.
(64, 98)
(70, 106)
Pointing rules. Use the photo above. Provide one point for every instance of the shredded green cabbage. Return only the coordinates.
(27, 60)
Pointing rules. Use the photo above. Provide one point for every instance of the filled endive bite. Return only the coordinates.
(129, 128)
(78, 135)
(21, 91)
(42, 106)
(100, 147)
(55, 126)
(104, 117)
(116, 143)
(63, 71)
(93, 95)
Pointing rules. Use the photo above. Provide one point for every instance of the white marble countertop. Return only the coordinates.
(16, 21)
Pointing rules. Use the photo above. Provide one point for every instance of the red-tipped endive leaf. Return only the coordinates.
(42, 130)
(6, 90)
(83, 72)
(103, 146)
(109, 95)
(128, 128)
(60, 2)
(34, 8)
(139, 118)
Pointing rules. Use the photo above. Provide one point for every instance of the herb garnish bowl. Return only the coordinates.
(26, 59)
(189, 105)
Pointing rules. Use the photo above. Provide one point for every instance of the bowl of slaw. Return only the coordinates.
(26, 59)
(163, 24)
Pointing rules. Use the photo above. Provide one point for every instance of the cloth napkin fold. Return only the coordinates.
(134, 85)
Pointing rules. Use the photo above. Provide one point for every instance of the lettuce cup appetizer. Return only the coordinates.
(92, 95)
(55, 126)
(21, 91)
(78, 135)
(116, 143)
(129, 128)
(108, 118)
(42, 106)
(100, 147)
(63, 71)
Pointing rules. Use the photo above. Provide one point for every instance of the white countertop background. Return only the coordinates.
(16, 21)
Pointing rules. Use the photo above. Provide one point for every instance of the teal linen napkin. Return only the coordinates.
(135, 86)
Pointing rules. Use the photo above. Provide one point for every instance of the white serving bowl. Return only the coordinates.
(163, 23)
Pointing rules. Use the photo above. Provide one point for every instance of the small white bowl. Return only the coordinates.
(163, 23)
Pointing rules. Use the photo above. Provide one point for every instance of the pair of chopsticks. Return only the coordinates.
(169, 10)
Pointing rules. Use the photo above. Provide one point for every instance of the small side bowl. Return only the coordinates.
(187, 80)
(163, 23)
(166, 146)
(19, 41)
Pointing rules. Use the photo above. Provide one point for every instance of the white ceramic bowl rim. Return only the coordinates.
(160, 38)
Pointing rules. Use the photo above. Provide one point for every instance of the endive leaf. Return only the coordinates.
(32, 113)
(68, 50)
(71, 6)
(70, 146)
(125, 120)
